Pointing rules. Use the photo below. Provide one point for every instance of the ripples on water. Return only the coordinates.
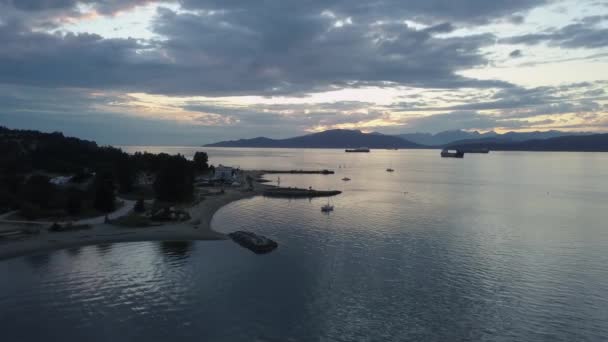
(503, 247)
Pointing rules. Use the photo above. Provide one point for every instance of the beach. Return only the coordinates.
(197, 228)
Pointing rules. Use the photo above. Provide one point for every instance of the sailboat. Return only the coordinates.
(326, 208)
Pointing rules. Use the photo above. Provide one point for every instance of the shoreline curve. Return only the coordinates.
(198, 228)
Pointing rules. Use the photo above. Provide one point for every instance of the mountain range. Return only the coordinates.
(448, 137)
(336, 138)
(341, 138)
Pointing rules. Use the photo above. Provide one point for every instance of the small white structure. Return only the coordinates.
(60, 180)
(145, 178)
(225, 173)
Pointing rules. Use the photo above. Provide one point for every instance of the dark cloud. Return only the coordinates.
(584, 34)
(39, 5)
(476, 11)
(440, 28)
(310, 53)
(237, 53)
(73, 60)
(516, 53)
(516, 19)
(468, 120)
(244, 47)
(100, 6)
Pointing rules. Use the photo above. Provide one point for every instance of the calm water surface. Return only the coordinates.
(499, 247)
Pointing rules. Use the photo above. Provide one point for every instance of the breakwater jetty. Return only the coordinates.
(303, 172)
(299, 193)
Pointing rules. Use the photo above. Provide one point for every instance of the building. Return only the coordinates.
(225, 173)
(60, 180)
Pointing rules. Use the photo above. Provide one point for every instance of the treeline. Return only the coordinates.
(28, 158)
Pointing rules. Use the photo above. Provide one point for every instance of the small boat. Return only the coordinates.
(346, 179)
(455, 154)
(326, 208)
(359, 149)
(390, 170)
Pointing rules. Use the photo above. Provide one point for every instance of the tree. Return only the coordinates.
(104, 192)
(175, 181)
(126, 173)
(200, 161)
(73, 204)
(39, 190)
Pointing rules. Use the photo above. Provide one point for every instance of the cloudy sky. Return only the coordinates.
(189, 72)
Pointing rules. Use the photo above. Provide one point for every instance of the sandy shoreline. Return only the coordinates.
(197, 228)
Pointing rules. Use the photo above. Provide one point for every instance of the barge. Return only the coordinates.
(256, 243)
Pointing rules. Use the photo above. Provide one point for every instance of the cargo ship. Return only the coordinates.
(359, 149)
(454, 154)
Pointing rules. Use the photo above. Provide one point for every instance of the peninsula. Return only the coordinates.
(41, 239)
(59, 192)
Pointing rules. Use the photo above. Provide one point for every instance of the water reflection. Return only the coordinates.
(103, 248)
(176, 250)
(75, 251)
(39, 260)
(475, 251)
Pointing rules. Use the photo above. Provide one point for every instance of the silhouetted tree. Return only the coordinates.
(38, 190)
(74, 200)
(200, 161)
(126, 173)
(104, 192)
(175, 181)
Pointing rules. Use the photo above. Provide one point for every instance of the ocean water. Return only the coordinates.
(509, 246)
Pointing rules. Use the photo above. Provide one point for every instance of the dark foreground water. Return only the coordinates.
(498, 247)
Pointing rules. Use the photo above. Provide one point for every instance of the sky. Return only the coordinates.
(190, 72)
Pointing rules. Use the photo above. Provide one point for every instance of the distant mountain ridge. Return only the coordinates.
(342, 138)
(449, 137)
(336, 138)
(570, 143)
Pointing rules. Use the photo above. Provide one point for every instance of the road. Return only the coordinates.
(122, 211)
(127, 206)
